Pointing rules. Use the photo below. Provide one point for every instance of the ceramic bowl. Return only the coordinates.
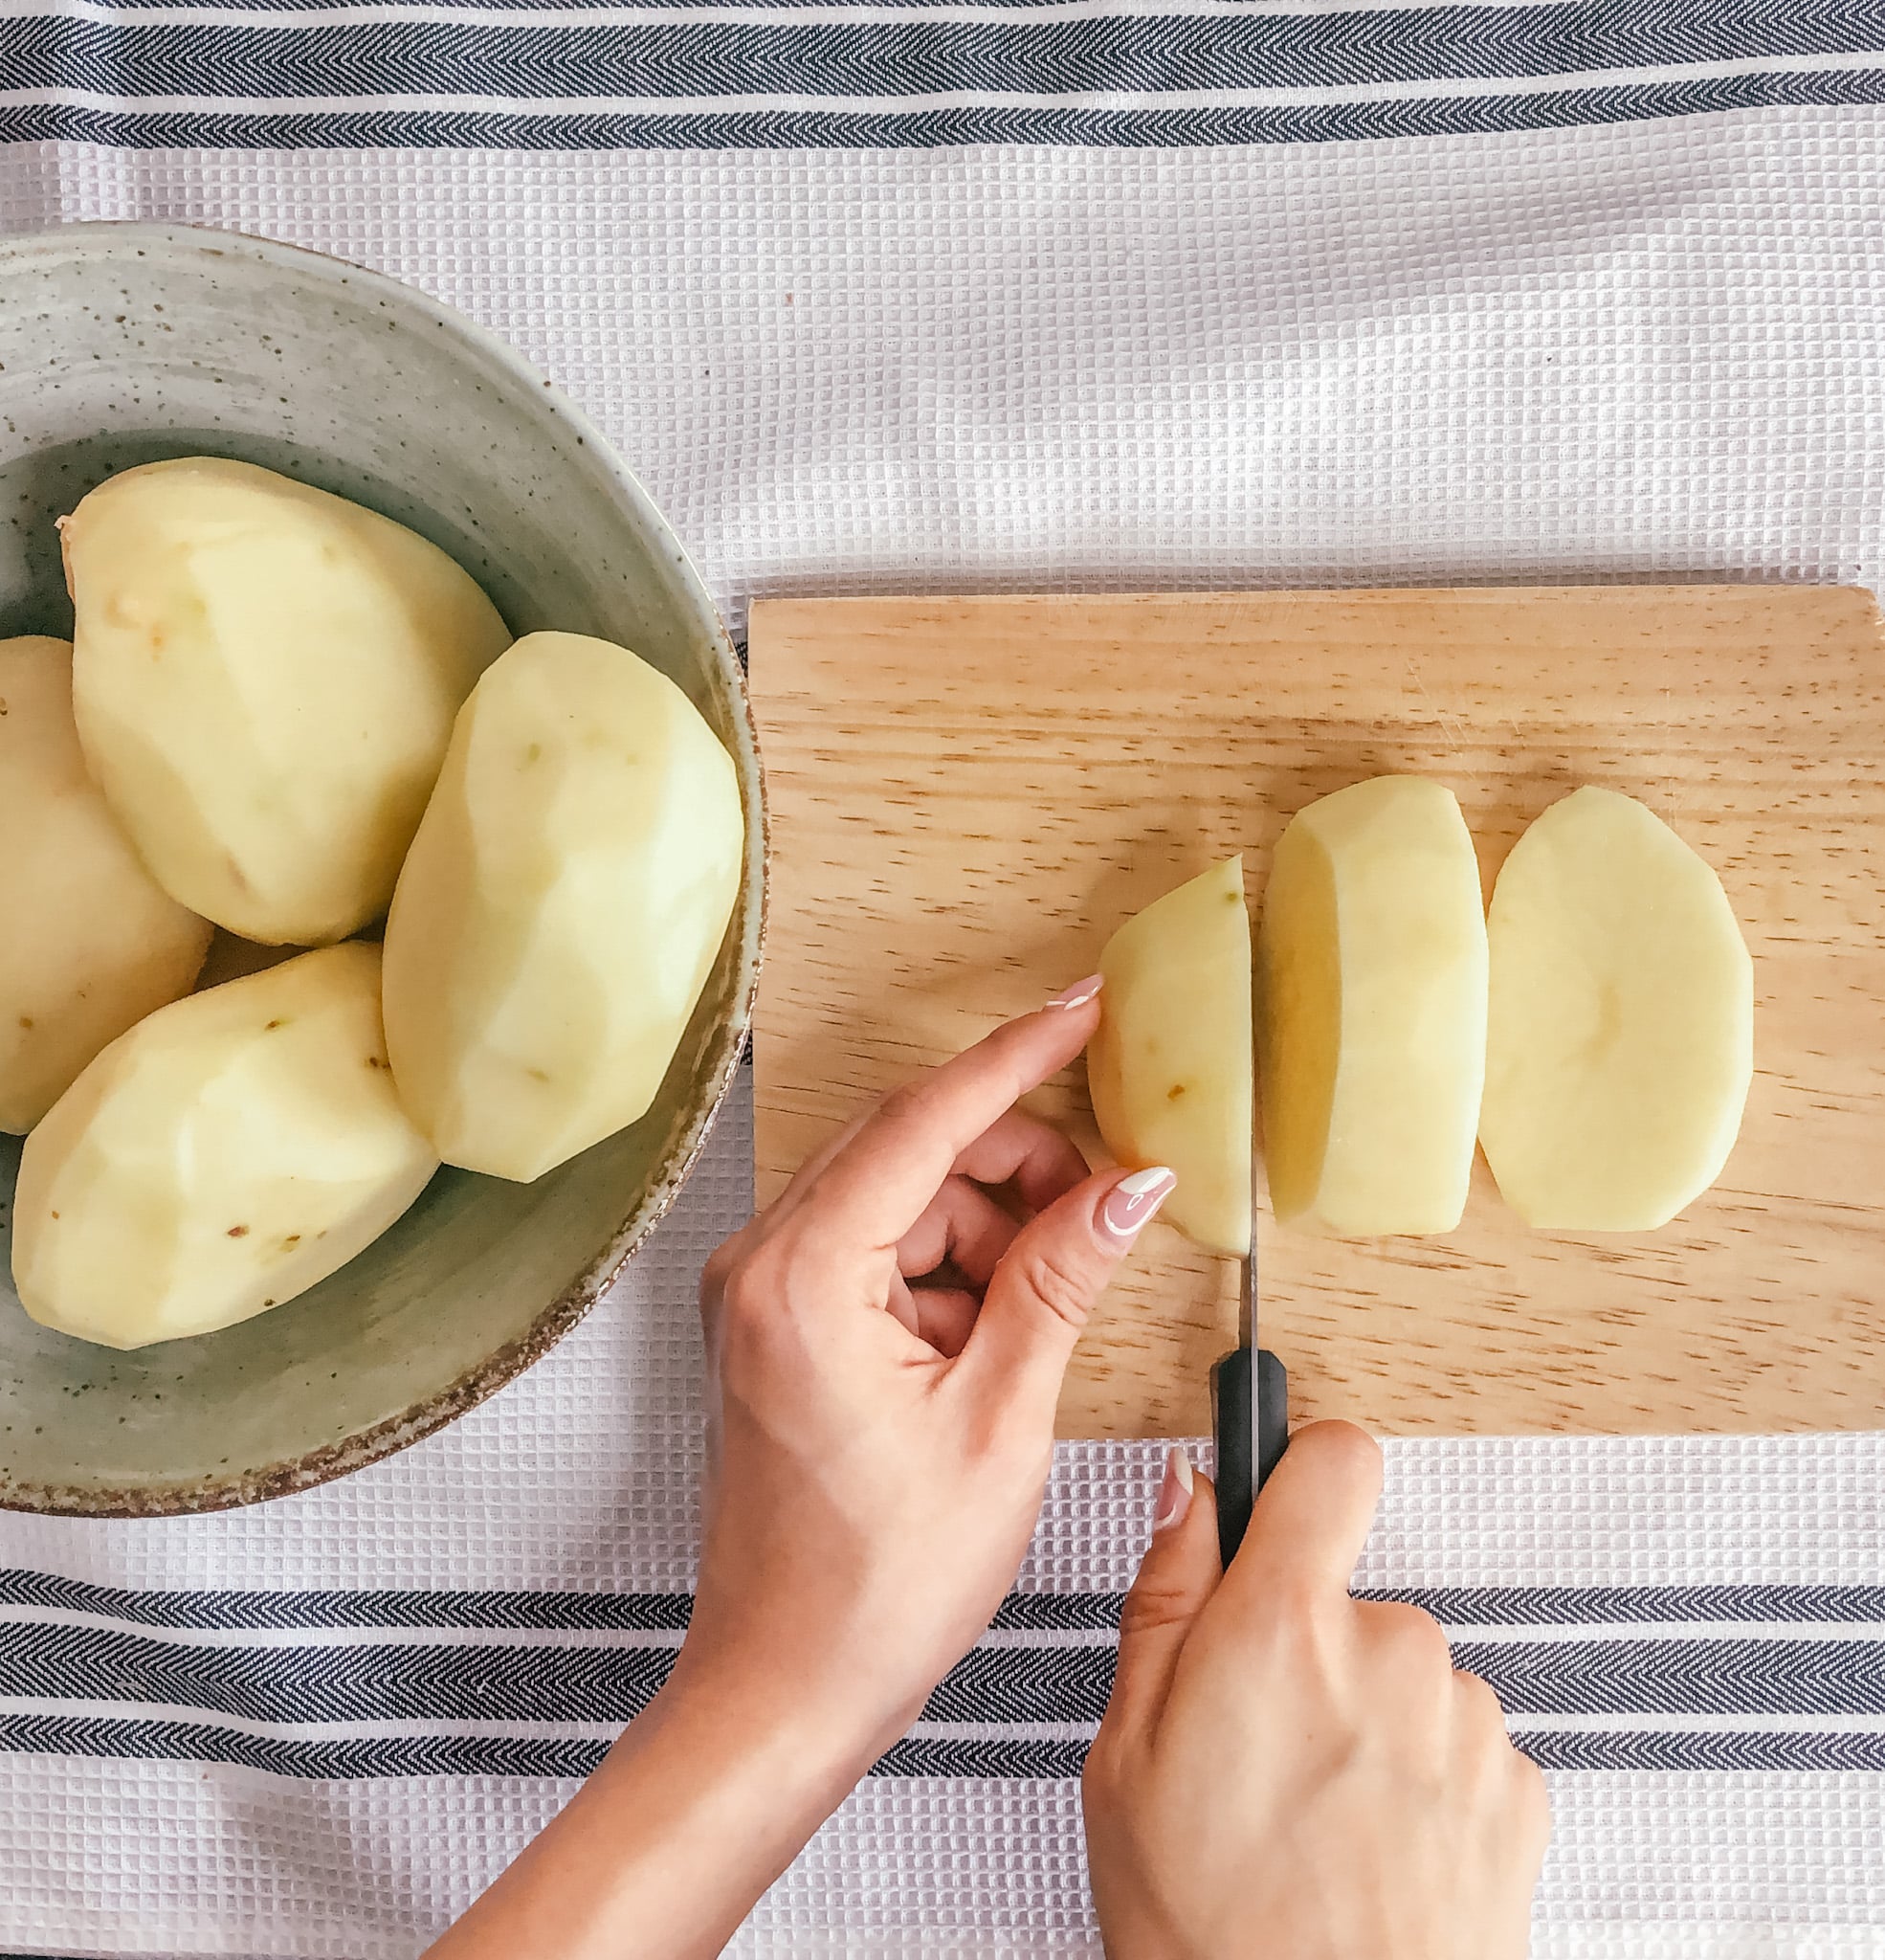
(121, 344)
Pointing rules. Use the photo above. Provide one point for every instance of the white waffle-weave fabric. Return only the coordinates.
(1648, 349)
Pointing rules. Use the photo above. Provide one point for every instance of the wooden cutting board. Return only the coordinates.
(968, 795)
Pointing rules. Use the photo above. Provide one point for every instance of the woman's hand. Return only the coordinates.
(1288, 1771)
(885, 1352)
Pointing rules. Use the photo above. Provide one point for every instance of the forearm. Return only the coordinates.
(706, 1799)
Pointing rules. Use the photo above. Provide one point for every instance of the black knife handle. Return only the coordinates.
(1229, 1415)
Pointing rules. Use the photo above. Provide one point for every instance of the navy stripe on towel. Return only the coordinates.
(387, 1756)
(1094, 53)
(1694, 1669)
(398, 1755)
(233, 1611)
(1498, 1605)
(247, 77)
(387, 1684)
(1693, 1749)
(1103, 127)
(1455, 1606)
(421, 1681)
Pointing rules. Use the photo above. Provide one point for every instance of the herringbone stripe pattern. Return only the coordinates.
(532, 1683)
(271, 76)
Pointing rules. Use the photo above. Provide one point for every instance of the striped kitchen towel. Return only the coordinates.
(1206, 293)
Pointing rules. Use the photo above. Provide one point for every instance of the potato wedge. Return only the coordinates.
(265, 678)
(228, 1152)
(89, 942)
(1371, 1012)
(562, 907)
(1621, 1042)
(1169, 1068)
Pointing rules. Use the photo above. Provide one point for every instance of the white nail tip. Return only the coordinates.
(1077, 995)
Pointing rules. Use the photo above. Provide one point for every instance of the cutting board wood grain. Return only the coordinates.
(968, 795)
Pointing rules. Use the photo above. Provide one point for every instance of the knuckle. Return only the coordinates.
(1296, 1607)
(1152, 1605)
(1479, 1710)
(1062, 1281)
(745, 1292)
(722, 1264)
(1103, 1771)
(906, 1103)
(756, 1297)
(1343, 1451)
(1414, 1638)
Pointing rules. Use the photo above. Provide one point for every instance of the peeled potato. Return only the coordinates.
(1169, 1068)
(265, 678)
(220, 1158)
(1621, 1042)
(89, 942)
(1372, 1022)
(561, 906)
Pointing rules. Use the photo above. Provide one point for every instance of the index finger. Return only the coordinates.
(876, 1186)
(1313, 1517)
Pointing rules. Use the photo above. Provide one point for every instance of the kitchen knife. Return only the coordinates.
(1249, 1408)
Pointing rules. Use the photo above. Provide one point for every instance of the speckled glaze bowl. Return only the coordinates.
(121, 344)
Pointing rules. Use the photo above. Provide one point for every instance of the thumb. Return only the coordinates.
(1047, 1283)
(1177, 1577)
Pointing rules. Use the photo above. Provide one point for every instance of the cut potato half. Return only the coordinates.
(1169, 1068)
(1621, 1042)
(1371, 1022)
(228, 1152)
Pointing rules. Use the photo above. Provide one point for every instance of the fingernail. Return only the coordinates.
(1080, 992)
(1174, 1493)
(1132, 1202)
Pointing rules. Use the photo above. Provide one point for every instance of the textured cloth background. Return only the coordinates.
(1646, 350)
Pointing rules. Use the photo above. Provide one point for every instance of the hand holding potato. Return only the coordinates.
(877, 1451)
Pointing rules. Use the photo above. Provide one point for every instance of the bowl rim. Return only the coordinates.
(728, 1042)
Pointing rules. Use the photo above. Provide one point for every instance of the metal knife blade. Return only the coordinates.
(1249, 1398)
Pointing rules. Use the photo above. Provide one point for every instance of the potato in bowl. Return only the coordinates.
(222, 346)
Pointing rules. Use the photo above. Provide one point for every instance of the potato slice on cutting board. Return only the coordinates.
(1621, 1040)
(228, 1152)
(89, 942)
(562, 907)
(1169, 1068)
(265, 678)
(1371, 1012)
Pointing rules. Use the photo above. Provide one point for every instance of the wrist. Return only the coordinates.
(707, 1797)
(743, 1712)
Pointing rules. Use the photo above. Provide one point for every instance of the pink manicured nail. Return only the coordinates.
(1080, 992)
(1132, 1202)
(1174, 1493)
